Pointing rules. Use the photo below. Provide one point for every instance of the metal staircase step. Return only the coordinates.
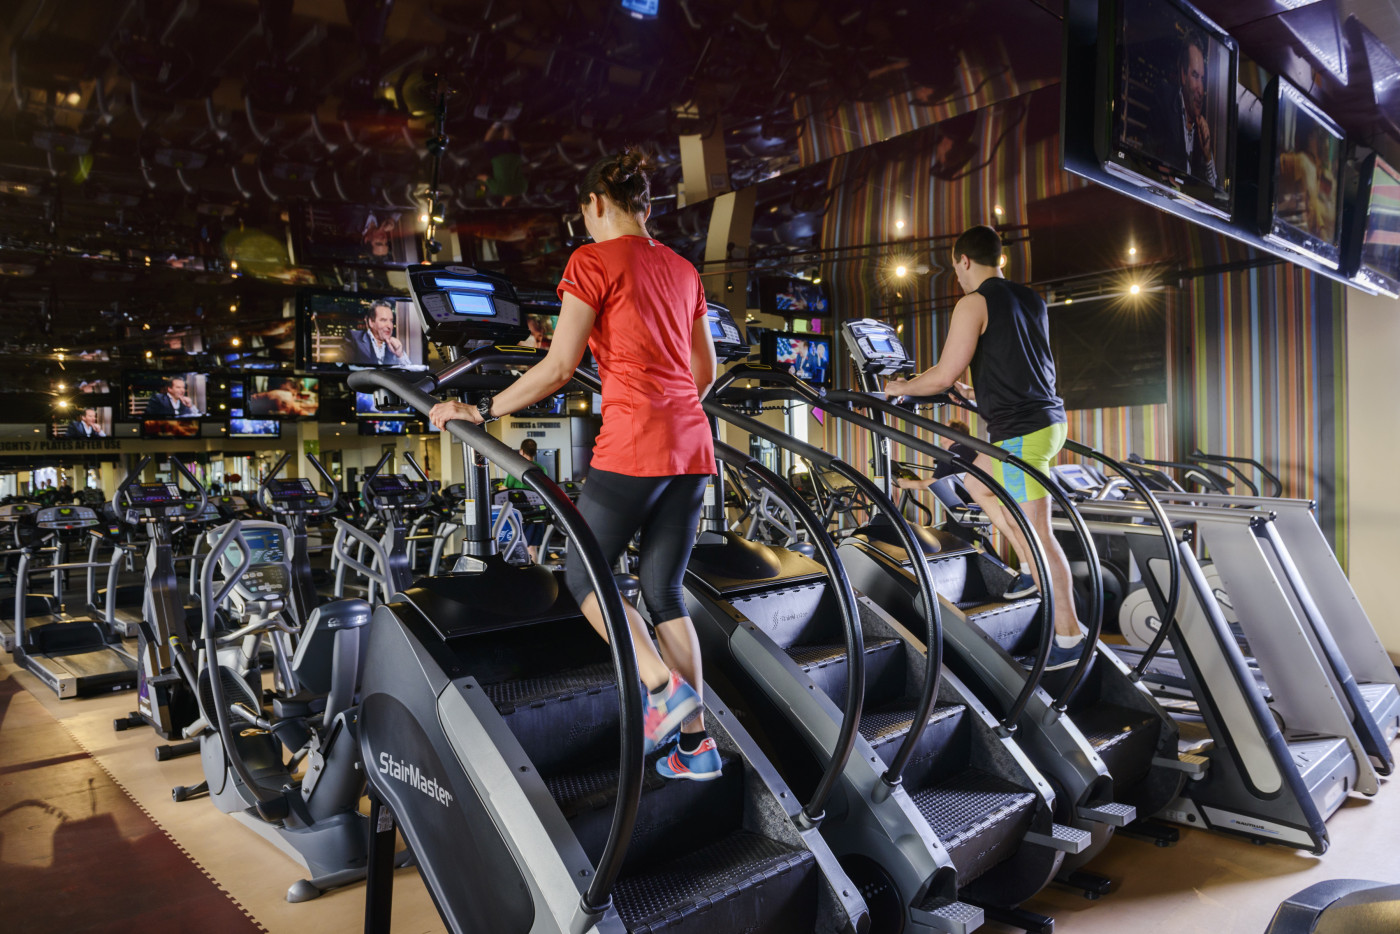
(948, 915)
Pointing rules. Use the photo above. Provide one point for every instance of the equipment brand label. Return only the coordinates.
(410, 774)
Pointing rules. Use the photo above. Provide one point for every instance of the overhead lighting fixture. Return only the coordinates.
(1132, 251)
(996, 209)
(233, 264)
(1134, 288)
(1001, 262)
(149, 355)
(63, 403)
(423, 218)
(901, 271)
(236, 342)
(1069, 300)
(233, 307)
(816, 280)
(62, 386)
(899, 225)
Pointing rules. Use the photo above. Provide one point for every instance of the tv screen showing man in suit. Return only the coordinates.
(341, 330)
(82, 424)
(166, 395)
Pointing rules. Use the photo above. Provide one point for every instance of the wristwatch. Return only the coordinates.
(484, 407)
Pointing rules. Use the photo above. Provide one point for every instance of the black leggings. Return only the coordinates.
(666, 510)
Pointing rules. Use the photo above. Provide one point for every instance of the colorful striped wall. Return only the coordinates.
(1255, 357)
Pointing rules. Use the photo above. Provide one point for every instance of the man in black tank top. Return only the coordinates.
(1001, 330)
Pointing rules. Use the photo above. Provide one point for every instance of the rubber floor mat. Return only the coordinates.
(77, 854)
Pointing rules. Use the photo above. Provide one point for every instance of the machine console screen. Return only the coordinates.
(265, 545)
(876, 348)
(389, 484)
(154, 494)
(298, 490)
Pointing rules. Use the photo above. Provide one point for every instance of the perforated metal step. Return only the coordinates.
(744, 877)
(533, 692)
(969, 803)
(888, 725)
(809, 657)
(952, 917)
(1106, 725)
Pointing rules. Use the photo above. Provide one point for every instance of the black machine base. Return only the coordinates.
(1028, 921)
(1092, 885)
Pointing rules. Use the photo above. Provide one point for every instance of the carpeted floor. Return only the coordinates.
(76, 854)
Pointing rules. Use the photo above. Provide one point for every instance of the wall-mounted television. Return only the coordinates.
(254, 428)
(355, 235)
(153, 428)
(1373, 235)
(266, 344)
(366, 407)
(791, 297)
(556, 404)
(1166, 119)
(806, 356)
(344, 330)
(161, 395)
(1300, 190)
(81, 422)
(382, 426)
(283, 396)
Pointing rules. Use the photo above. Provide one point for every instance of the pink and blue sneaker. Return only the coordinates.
(702, 765)
(662, 717)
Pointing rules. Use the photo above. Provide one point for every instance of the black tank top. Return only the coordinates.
(1013, 372)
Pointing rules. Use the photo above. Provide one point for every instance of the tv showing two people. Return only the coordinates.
(82, 423)
(807, 358)
(166, 395)
(1174, 95)
(361, 331)
(1308, 172)
(283, 396)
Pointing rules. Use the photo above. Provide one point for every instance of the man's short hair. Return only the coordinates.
(981, 244)
(89, 409)
(529, 447)
(1189, 39)
(170, 381)
(376, 305)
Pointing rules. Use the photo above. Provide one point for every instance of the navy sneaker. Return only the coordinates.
(1023, 585)
(1062, 657)
(702, 765)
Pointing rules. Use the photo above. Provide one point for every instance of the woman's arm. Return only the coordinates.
(544, 378)
(703, 360)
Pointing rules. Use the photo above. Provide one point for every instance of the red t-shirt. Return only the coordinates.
(648, 300)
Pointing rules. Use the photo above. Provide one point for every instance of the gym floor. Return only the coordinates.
(90, 840)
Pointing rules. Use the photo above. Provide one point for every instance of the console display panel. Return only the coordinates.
(264, 547)
(165, 395)
(1169, 118)
(283, 396)
(341, 330)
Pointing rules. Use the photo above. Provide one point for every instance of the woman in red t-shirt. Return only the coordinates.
(641, 309)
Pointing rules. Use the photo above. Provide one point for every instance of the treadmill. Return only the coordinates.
(75, 656)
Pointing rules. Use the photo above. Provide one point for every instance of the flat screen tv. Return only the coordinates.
(1167, 116)
(791, 297)
(381, 426)
(81, 422)
(266, 344)
(168, 394)
(355, 234)
(1373, 240)
(282, 396)
(806, 356)
(169, 428)
(345, 330)
(1300, 191)
(366, 407)
(254, 428)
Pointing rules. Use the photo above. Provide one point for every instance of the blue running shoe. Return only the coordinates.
(1023, 585)
(1061, 657)
(702, 765)
(663, 717)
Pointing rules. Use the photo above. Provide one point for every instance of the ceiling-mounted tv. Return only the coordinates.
(1373, 236)
(1300, 190)
(1166, 117)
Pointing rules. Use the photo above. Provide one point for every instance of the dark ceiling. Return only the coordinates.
(140, 138)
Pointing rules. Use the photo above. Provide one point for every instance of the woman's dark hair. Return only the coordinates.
(622, 177)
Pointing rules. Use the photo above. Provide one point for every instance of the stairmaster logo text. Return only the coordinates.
(410, 774)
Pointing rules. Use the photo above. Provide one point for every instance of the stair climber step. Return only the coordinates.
(741, 882)
(562, 717)
(944, 914)
(1124, 738)
(1005, 621)
(825, 664)
(676, 812)
(942, 748)
(979, 817)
